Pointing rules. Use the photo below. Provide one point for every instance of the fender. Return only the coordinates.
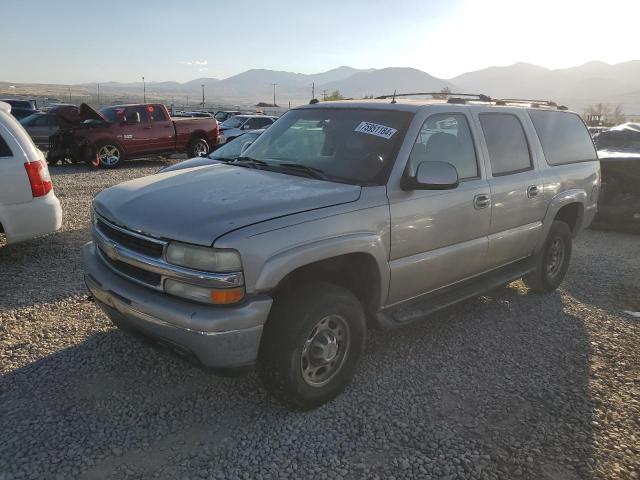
(284, 262)
(560, 200)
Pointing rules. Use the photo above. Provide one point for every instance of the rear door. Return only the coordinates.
(14, 183)
(137, 131)
(40, 130)
(164, 139)
(517, 196)
(439, 237)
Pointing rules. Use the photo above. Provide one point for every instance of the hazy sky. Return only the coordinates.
(73, 41)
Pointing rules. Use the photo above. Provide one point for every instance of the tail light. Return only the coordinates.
(39, 178)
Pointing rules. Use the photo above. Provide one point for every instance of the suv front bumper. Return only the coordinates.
(218, 337)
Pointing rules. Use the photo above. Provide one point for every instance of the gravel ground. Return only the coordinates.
(509, 385)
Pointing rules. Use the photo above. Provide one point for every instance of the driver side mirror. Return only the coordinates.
(432, 176)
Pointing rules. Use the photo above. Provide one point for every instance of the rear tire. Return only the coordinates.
(198, 147)
(553, 260)
(311, 345)
(110, 154)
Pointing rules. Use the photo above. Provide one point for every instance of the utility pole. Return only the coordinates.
(98, 94)
(274, 93)
(144, 91)
(69, 94)
(202, 96)
(313, 90)
(324, 95)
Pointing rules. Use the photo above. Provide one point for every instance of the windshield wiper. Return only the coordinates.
(311, 171)
(250, 161)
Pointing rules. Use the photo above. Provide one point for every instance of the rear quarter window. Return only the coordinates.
(5, 151)
(563, 136)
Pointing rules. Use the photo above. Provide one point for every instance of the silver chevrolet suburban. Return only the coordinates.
(342, 216)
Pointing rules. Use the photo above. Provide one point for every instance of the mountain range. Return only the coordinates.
(576, 87)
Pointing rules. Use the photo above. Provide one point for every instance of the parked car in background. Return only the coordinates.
(28, 205)
(340, 216)
(223, 115)
(194, 114)
(41, 125)
(239, 124)
(21, 108)
(226, 153)
(51, 106)
(132, 131)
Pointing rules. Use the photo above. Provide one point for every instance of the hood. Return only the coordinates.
(89, 113)
(199, 205)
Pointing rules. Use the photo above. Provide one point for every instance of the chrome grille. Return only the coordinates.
(134, 242)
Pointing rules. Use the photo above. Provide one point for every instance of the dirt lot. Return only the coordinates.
(509, 385)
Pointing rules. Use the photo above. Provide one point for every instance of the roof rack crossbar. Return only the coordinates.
(479, 96)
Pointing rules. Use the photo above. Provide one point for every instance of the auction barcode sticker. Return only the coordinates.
(375, 129)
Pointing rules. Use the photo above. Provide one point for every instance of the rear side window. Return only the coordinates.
(5, 151)
(506, 142)
(563, 136)
(157, 114)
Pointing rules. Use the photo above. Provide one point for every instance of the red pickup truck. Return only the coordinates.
(113, 134)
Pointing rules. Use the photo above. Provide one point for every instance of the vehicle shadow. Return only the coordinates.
(614, 283)
(138, 163)
(499, 383)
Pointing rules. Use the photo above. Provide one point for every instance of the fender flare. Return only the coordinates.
(278, 266)
(562, 199)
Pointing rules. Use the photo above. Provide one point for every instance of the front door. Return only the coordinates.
(517, 198)
(439, 237)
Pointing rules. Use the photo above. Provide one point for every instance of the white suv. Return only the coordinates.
(28, 206)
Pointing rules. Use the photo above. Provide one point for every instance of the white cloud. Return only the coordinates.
(203, 69)
(194, 63)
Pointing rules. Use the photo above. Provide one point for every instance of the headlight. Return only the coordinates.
(203, 258)
(216, 296)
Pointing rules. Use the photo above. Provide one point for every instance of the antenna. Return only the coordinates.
(393, 100)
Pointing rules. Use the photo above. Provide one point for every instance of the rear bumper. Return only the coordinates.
(38, 217)
(216, 337)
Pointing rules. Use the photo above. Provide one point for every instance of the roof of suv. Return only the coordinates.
(413, 105)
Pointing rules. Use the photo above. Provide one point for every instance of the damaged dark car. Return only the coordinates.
(619, 153)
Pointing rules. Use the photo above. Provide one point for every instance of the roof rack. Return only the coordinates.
(533, 103)
(479, 96)
(462, 98)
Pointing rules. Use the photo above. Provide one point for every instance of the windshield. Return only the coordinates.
(221, 116)
(233, 122)
(231, 150)
(357, 145)
(111, 113)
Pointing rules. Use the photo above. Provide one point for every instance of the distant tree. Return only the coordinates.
(617, 116)
(597, 114)
(444, 94)
(335, 95)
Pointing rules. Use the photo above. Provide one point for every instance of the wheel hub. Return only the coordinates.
(325, 350)
(556, 257)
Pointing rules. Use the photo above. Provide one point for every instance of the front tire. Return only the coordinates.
(553, 260)
(110, 154)
(311, 345)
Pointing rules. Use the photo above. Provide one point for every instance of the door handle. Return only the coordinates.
(532, 191)
(481, 201)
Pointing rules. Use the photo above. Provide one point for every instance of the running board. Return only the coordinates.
(419, 308)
